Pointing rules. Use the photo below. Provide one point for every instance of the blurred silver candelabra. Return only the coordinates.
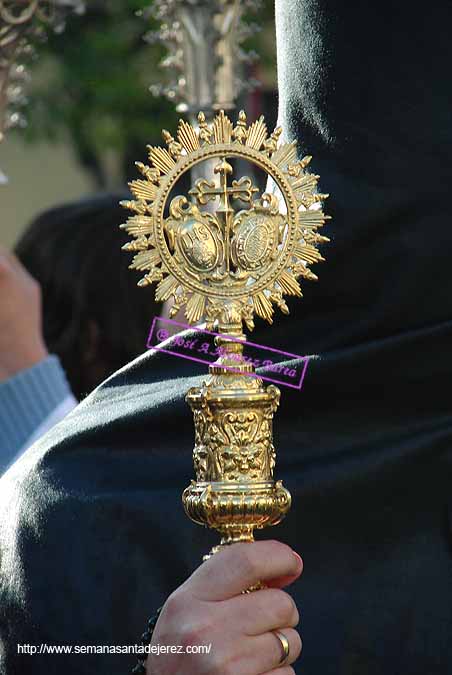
(22, 23)
(205, 52)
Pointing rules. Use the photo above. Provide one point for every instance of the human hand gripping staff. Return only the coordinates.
(224, 266)
(247, 634)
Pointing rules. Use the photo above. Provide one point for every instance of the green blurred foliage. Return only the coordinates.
(92, 81)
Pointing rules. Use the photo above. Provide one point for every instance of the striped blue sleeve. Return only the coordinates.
(26, 400)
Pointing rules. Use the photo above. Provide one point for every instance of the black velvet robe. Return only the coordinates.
(93, 536)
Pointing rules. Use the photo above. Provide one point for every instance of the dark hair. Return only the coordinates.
(94, 317)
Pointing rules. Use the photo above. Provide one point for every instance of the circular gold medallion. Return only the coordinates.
(245, 253)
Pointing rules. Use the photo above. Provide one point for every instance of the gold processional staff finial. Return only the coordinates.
(223, 266)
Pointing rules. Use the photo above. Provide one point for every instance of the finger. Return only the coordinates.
(264, 653)
(6, 254)
(19, 267)
(239, 566)
(282, 582)
(5, 264)
(10, 264)
(285, 670)
(270, 650)
(14, 260)
(261, 611)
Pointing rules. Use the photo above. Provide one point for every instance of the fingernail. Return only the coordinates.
(299, 559)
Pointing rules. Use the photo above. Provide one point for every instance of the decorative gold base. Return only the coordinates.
(234, 455)
(236, 510)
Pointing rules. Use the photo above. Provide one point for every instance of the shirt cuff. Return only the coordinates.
(26, 400)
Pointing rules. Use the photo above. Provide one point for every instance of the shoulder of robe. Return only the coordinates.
(119, 435)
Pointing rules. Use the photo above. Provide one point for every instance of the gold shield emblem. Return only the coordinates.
(254, 241)
(199, 246)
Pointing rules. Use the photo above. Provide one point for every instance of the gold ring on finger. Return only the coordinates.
(284, 645)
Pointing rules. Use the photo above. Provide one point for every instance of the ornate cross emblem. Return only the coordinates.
(206, 191)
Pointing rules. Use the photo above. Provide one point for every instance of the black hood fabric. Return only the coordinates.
(93, 535)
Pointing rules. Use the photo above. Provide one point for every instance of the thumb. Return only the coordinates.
(240, 566)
